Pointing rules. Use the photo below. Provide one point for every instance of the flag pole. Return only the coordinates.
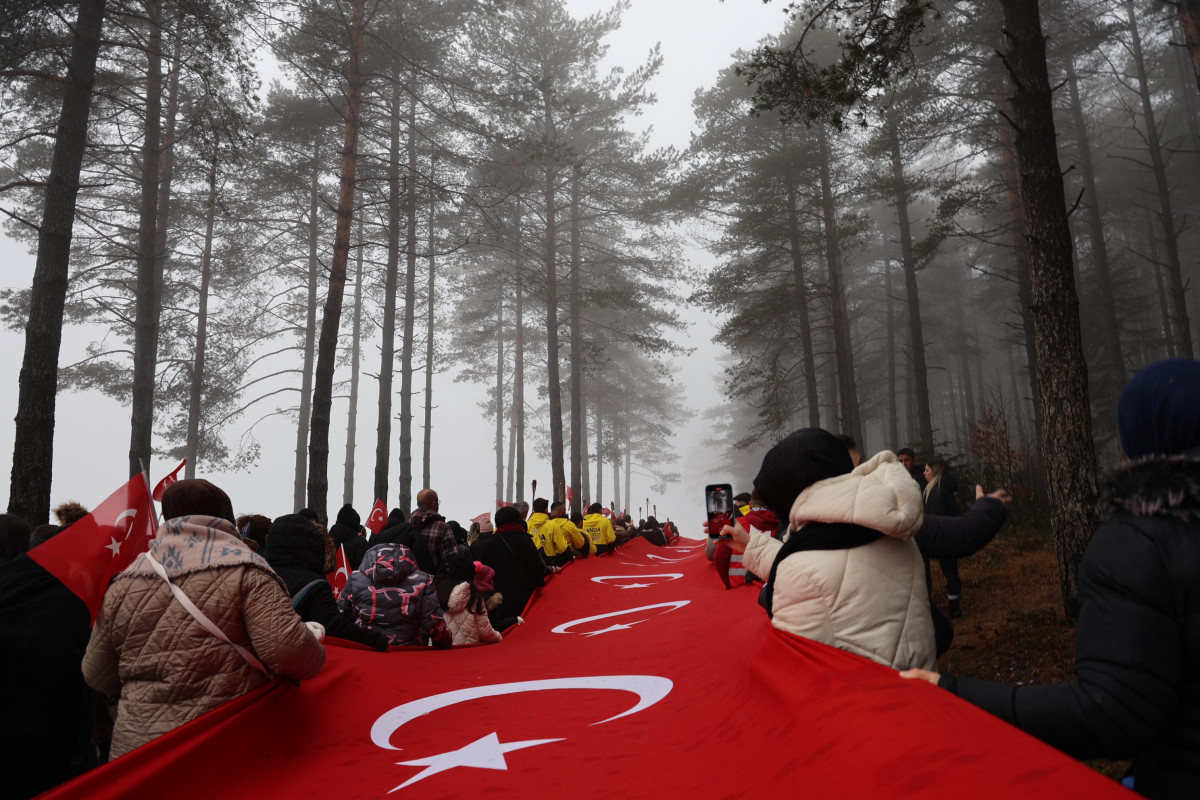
(149, 493)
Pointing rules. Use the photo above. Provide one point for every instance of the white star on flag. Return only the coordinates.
(115, 547)
(485, 753)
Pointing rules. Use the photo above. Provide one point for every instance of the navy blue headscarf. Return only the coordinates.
(1159, 412)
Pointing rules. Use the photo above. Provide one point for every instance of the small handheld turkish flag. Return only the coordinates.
(341, 573)
(167, 481)
(377, 518)
(88, 554)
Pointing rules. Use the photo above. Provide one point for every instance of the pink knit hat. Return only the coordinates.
(483, 577)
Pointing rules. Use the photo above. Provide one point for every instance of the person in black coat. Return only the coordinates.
(347, 534)
(1137, 645)
(940, 501)
(296, 551)
(520, 571)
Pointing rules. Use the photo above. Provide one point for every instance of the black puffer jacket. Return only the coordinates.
(959, 537)
(346, 536)
(296, 551)
(519, 569)
(1137, 656)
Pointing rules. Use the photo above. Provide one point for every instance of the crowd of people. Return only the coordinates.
(220, 604)
(847, 564)
(839, 544)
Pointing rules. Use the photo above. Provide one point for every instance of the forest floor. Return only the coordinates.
(1013, 628)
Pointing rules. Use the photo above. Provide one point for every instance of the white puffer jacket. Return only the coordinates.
(468, 628)
(870, 600)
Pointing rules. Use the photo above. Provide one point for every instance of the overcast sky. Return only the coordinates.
(92, 431)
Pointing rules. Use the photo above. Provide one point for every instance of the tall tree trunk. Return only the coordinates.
(1110, 329)
(1067, 450)
(299, 483)
(510, 471)
(355, 357)
(1166, 216)
(391, 280)
(628, 469)
(145, 328)
(843, 353)
(554, 387)
(599, 496)
(1188, 91)
(812, 398)
(1021, 259)
(196, 399)
(616, 464)
(500, 401)
(430, 287)
(410, 309)
(33, 445)
(318, 449)
(909, 262)
(1189, 20)
(518, 408)
(893, 412)
(578, 413)
(1163, 306)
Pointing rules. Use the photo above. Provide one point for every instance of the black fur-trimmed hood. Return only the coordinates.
(1158, 486)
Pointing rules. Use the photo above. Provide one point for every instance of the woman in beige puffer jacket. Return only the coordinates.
(147, 648)
(859, 583)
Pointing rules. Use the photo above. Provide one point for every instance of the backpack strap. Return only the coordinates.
(299, 596)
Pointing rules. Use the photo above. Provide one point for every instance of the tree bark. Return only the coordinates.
(558, 473)
(1110, 328)
(318, 463)
(893, 421)
(912, 294)
(196, 400)
(299, 484)
(355, 359)
(499, 401)
(391, 279)
(33, 444)
(599, 496)
(410, 309)
(1189, 20)
(843, 353)
(812, 398)
(578, 414)
(1067, 450)
(1166, 216)
(145, 328)
(430, 286)
(518, 409)
(1163, 306)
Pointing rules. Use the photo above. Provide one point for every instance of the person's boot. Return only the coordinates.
(955, 607)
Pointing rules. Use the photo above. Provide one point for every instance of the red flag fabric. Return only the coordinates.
(341, 572)
(87, 555)
(377, 518)
(502, 504)
(167, 481)
(570, 495)
(634, 675)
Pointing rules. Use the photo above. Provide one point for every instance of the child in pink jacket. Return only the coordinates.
(467, 610)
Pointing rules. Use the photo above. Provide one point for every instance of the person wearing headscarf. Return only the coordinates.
(166, 666)
(846, 572)
(1137, 644)
(296, 551)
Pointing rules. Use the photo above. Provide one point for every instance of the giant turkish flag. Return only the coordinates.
(635, 675)
(88, 554)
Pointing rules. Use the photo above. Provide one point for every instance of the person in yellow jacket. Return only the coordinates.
(537, 520)
(597, 528)
(578, 543)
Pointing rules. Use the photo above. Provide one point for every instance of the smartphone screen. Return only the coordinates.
(718, 505)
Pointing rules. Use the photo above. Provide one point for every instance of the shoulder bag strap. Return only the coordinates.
(204, 621)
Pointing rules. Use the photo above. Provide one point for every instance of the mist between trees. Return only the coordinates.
(461, 183)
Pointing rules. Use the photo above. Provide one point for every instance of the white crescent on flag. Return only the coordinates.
(488, 751)
(566, 626)
(637, 580)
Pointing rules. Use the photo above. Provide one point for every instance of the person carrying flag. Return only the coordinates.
(194, 622)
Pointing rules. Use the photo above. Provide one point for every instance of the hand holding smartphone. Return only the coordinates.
(718, 505)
